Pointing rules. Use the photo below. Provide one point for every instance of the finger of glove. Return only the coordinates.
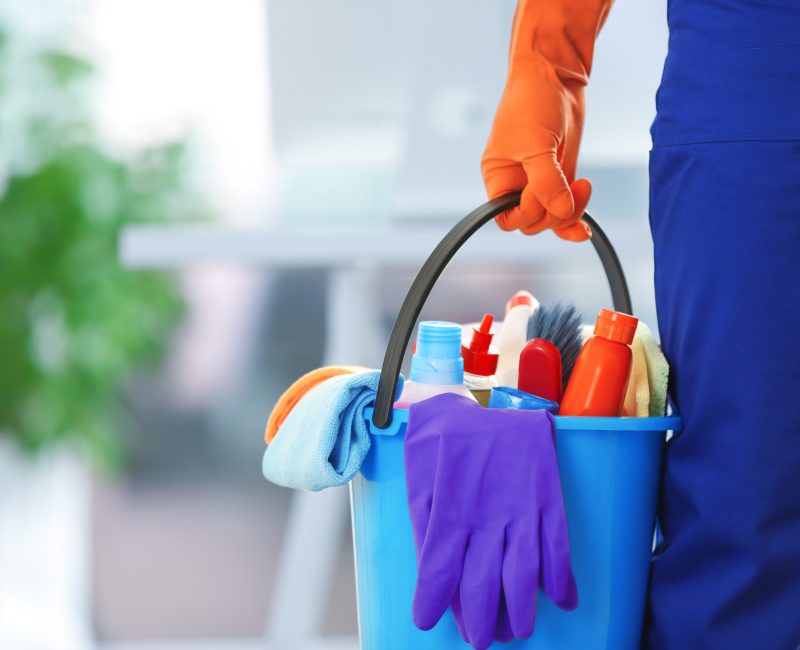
(421, 456)
(502, 177)
(572, 136)
(549, 185)
(521, 577)
(440, 567)
(536, 228)
(503, 632)
(581, 192)
(458, 614)
(577, 230)
(530, 216)
(480, 586)
(557, 580)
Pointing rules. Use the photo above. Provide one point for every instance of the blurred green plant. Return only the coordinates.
(73, 323)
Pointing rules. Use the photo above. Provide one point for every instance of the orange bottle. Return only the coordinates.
(600, 377)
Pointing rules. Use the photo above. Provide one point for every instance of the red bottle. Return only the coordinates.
(600, 377)
(540, 370)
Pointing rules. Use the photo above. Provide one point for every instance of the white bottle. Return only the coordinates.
(437, 366)
(513, 336)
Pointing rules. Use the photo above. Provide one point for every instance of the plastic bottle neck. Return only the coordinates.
(608, 341)
(437, 360)
(437, 372)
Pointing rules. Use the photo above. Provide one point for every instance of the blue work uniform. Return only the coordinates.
(725, 217)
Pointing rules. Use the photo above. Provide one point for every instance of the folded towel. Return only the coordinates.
(324, 438)
(647, 388)
(637, 397)
(299, 388)
(657, 371)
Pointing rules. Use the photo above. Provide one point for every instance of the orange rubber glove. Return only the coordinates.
(295, 392)
(537, 130)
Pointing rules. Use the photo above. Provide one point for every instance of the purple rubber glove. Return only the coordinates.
(484, 495)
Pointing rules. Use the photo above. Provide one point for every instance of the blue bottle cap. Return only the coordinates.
(437, 359)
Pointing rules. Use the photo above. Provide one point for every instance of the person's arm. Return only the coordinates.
(533, 146)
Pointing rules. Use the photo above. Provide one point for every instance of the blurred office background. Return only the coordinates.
(248, 188)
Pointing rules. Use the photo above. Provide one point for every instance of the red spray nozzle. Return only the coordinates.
(482, 336)
(479, 357)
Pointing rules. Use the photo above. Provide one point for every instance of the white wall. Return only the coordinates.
(621, 96)
(187, 67)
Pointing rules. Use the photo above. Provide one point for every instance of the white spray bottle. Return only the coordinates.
(513, 336)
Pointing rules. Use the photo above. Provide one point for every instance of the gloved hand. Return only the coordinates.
(537, 130)
(484, 495)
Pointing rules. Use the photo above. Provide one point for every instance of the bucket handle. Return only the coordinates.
(432, 269)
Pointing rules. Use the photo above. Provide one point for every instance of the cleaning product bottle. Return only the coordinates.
(600, 377)
(437, 366)
(480, 361)
(562, 325)
(513, 336)
(540, 370)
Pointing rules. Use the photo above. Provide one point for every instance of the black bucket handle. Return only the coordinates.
(432, 269)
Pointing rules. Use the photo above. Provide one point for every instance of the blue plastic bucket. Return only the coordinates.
(609, 475)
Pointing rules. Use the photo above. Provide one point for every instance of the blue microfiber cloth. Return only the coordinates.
(325, 438)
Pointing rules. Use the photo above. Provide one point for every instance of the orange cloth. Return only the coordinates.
(295, 392)
(537, 130)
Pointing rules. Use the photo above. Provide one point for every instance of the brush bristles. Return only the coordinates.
(561, 325)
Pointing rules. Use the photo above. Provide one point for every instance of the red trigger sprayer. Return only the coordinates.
(480, 361)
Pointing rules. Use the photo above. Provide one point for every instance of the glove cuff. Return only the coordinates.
(561, 31)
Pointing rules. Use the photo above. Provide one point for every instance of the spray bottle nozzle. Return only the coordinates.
(479, 357)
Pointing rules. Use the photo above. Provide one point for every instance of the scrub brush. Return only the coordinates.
(561, 325)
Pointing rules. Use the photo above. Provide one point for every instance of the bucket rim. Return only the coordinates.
(654, 423)
(657, 424)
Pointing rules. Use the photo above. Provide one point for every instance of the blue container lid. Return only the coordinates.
(507, 397)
